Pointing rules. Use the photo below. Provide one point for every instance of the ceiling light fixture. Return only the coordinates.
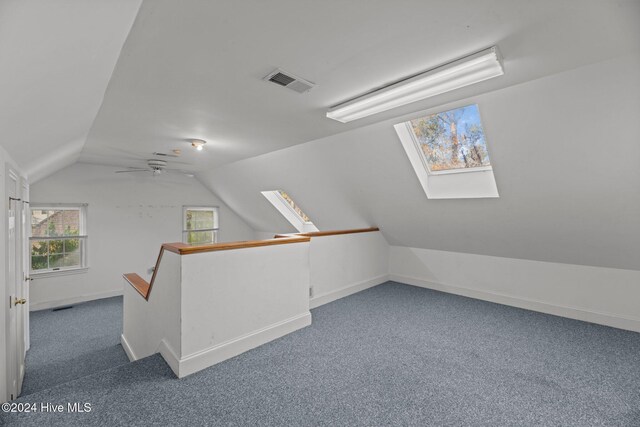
(198, 144)
(471, 69)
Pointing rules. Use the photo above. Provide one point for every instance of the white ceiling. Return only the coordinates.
(565, 155)
(76, 84)
(193, 69)
(56, 58)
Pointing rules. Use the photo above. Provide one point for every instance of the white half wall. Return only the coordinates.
(601, 295)
(344, 264)
(236, 300)
(129, 216)
(146, 324)
(208, 307)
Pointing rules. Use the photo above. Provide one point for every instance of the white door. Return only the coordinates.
(21, 291)
(14, 281)
(26, 260)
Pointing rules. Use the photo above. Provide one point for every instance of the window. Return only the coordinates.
(293, 206)
(199, 225)
(442, 146)
(451, 140)
(290, 210)
(58, 238)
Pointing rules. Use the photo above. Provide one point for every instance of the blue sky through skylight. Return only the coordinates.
(452, 139)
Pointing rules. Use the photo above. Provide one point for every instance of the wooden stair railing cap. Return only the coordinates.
(184, 249)
(144, 288)
(328, 233)
(139, 284)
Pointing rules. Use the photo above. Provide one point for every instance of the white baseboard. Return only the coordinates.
(606, 319)
(203, 359)
(127, 349)
(45, 305)
(327, 297)
(169, 355)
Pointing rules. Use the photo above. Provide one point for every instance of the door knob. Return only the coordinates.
(20, 301)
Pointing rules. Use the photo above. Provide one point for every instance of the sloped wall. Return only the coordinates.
(607, 296)
(565, 154)
(129, 216)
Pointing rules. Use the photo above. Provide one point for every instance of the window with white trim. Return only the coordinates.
(58, 238)
(451, 140)
(199, 224)
(449, 154)
(283, 202)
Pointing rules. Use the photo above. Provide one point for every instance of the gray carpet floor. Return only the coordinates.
(390, 355)
(73, 343)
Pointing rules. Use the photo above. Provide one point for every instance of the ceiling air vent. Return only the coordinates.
(289, 81)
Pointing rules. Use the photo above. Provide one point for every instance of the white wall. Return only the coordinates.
(344, 264)
(3, 288)
(207, 307)
(230, 294)
(600, 295)
(565, 155)
(129, 216)
(148, 322)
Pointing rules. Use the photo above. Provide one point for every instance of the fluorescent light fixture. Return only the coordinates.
(471, 69)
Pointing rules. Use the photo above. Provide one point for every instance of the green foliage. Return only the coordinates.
(200, 220)
(447, 145)
(55, 253)
(199, 237)
(47, 254)
(52, 229)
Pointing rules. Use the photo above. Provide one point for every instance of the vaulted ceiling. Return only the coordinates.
(113, 81)
(56, 60)
(86, 81)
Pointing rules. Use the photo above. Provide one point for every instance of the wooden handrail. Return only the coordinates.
(144, 288)
(139, 284)
(328, 233)
(184, 249)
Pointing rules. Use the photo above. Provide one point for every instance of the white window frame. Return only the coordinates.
(464, 183)
(83, 236)
(425, 163)
(287, 211)
(216, 222)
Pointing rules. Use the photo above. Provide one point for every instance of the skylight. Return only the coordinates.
(293, 205)
(442, 145)
(290, 210)
(452, 140)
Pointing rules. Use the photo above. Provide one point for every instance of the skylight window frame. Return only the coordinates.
(288, 212)
(464, 183)
(425, 163)
(288, 205)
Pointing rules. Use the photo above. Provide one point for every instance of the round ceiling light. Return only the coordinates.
(198, 144)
